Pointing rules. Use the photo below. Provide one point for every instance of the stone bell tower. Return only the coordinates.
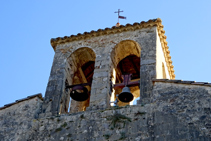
(99, 59)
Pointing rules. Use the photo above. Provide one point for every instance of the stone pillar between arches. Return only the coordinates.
(101, 86)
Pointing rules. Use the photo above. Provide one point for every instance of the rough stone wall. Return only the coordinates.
(189, 103)
(56, 86)
(16, 121)
(134, 123)
(176, 112)
(126, 123)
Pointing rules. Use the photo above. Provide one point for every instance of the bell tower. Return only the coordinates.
(91, 70)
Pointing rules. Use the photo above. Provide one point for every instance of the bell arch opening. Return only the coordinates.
(78, 83)
(126, 60)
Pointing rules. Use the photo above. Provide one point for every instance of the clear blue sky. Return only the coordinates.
(26, 28)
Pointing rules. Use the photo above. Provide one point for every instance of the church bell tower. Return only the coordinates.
(93, 69)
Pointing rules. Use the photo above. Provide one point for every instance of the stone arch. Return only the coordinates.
(81, 56)
(80, 70)
(124, 49)
(126, 54)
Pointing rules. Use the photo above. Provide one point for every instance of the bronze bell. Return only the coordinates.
(125, 96)
(79, 93)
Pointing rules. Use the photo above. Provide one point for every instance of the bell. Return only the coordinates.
(125, 96)
(79, 93)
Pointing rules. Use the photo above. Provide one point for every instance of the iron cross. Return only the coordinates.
(118, 13)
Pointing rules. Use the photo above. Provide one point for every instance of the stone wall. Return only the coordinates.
(123, 123)
(132, 123)
(177, 112)
(189, 101)
(16, 121)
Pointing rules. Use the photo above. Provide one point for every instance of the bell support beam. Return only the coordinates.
(83, 84)
(127, 82)
(132, 83)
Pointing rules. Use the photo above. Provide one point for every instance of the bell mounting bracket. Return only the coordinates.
(127, 82)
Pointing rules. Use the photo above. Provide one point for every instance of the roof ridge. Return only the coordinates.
(39, 95)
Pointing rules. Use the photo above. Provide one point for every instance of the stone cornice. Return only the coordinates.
(128, 27)
(182, 82)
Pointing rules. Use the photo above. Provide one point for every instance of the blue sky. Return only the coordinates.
(26, 28)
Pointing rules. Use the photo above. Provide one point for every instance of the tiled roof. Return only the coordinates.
(23, 99)
(123, 28)
(182, 82)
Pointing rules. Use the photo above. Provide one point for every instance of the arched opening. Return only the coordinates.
(126, 60)
(81, 68)
(128, 65)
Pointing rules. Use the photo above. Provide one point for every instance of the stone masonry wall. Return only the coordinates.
(176, 112)
(16, 120)
(133, 123)
(55, 87)
(190, 103)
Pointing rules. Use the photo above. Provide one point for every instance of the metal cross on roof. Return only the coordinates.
(120, 17)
